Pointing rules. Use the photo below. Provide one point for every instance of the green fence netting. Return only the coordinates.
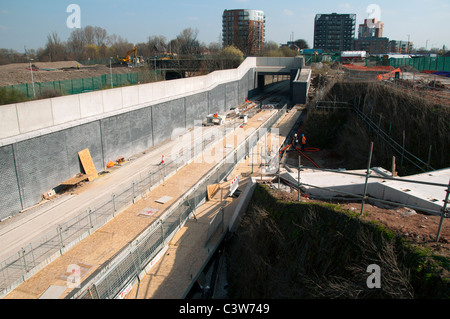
(424, 63)
(76, 86)
(419, 63)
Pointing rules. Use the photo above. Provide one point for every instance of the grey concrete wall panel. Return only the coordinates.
(231, 95)
(217, 99)
(243, 88)
(9, 189)
(44, 161)
(196, 108)
(300, 86)
(42, 164)
(168, 119)
(126, 134)
(79, 138)
(251, 79)
(299, 92)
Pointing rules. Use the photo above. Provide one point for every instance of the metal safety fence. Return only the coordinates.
(39, 253)
(118, 276)
(365, 196)
(33, 257)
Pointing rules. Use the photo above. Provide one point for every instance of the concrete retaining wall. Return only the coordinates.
(300, 86)
(108, 122)
(40, 140)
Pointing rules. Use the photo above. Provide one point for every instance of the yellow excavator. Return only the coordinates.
(136, 60)
(126, 59)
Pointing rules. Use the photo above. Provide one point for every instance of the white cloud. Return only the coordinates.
(288, 12)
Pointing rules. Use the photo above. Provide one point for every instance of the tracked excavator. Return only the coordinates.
(131, 61)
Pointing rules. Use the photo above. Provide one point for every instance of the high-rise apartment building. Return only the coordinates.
(244, 29)
(372, 28)
(334, 32)
(370, 37)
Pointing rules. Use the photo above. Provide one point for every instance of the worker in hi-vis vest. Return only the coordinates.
(303, 142)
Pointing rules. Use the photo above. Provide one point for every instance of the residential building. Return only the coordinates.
(403, 47)
(372, 45)
(244, 29)
(334, 32)
(372, 28)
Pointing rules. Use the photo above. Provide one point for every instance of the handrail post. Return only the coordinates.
(444, 212)
(367, 178)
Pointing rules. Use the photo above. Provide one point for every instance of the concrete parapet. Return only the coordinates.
(30, 116)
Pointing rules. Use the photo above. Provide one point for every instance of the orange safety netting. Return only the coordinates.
(373, 68)
(390, 70)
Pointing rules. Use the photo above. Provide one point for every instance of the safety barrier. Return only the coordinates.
(33, 257)
(366, 197)
(123, 271)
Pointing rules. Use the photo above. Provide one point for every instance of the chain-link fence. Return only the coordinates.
(38, 254)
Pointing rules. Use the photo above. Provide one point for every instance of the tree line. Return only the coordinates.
(94, 43)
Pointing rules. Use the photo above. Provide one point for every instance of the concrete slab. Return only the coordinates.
(330, 184)
(65, 109)
(10, 124)
(163, 199)
(34, 115)
(53, 292)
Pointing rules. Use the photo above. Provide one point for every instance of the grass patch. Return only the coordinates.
(320, 250)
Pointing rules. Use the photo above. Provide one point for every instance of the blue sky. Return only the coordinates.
(28, 22)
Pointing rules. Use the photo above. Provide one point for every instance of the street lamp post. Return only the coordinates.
(32, 79)
(110, 71)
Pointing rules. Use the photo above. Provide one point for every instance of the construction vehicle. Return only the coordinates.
(127, 59)
(169, 56)
(135, 61)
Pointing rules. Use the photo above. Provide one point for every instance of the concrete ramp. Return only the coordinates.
(410, 191)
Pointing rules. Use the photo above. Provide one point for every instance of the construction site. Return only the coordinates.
(273, 180)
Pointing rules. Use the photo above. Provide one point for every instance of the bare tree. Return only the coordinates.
(100, 36)
(76, 43)
(89, 34)
(188, 43)
(55, 48)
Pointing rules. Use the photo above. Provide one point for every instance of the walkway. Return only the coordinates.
(171, 275)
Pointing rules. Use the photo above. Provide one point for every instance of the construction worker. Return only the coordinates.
(294, 140)
(303, 142)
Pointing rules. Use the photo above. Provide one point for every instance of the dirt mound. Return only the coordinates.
(19, 73)
(408, 68)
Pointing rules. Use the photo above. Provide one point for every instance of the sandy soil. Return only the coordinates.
(19, 73)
